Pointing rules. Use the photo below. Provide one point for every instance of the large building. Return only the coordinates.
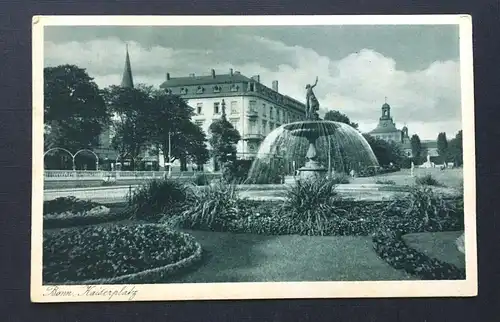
(252, 108)
(387, 130)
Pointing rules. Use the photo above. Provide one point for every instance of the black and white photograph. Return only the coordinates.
(245, 157)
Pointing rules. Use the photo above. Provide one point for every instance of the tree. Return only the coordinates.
(74, 111)
(171, 114)
(416, 147)
(336, 116)
(442, 145)
(386, 152)
(131, 120)
(455, 149)
(223, 140)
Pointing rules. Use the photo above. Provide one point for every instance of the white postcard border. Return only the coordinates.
(267, 290)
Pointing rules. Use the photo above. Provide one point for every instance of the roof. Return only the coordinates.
(205, 80)
(127, 80)
(390, 128)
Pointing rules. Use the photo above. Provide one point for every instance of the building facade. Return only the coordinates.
(386, 130)
(252, 108)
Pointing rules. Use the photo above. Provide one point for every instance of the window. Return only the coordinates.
(277, 114)
(199, 108)
(234, 123)
(216, 108)
(199, 123)
(271, 116)
(252, 106)
(200, 90)
(251, 126)
(264, 127)
(234, 88)
(252, 87)
(271, 126)
(264, 111)
(234, 107)
(184, 90)
(217, 89)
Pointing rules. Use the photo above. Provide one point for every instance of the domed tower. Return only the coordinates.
(386, 129)
(386, 112)
(404, 134)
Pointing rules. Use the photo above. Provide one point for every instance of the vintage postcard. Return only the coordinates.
(252, 157)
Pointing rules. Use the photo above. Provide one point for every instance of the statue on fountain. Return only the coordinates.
(312, 104)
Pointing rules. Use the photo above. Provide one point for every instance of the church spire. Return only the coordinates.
(127, 80)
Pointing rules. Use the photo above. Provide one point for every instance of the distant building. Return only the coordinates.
(387, 130)
(252, 108)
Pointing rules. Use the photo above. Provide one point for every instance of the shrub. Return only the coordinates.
(100, 252)
(158, 197)
(201, 180)
(388, 182)
(424, 210)
(311, 202)
(427, 180)
(212, 207)
(67, 204)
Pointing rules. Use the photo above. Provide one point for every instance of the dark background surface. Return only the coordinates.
(15, 172)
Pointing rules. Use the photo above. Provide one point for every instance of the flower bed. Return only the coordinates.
(359, 218)
(116, 254)
(69, 211)
(389, 245)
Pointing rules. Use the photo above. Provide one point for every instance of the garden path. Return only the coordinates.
(230, 257)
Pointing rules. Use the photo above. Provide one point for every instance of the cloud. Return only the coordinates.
(427, 100)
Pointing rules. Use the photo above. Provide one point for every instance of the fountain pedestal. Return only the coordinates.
(312, 169)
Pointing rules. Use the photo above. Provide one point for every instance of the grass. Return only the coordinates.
(258, 258)
(440, 245)
(450, 177)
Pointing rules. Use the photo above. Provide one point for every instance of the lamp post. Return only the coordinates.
(169, 155)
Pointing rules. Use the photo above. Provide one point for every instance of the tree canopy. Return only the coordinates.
(336, 116)
(146, 117)
(74, 111)
(442, 145)
(223, 140)
(416, 147)
(455, 149)
(171, 114)
(386, 151)
(131, 120)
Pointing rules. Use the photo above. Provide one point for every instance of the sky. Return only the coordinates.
(415, 66)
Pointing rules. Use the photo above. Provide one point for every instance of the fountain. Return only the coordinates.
(329, 147)
(311, 131)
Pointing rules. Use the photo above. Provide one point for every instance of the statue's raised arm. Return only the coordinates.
(316, 82)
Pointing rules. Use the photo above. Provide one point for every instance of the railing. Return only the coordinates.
(55, 175)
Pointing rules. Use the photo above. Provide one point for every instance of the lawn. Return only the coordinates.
(440, 246)
(450, 177)
(232, 257)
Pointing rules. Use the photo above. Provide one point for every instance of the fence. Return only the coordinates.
(62, 175)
